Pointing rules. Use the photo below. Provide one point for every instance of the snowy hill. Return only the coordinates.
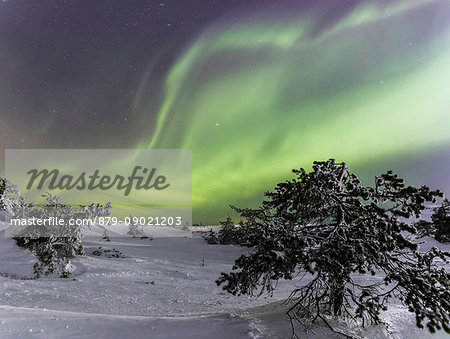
(160, 288)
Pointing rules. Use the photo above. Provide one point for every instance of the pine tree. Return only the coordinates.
(135, 229)
(2, 192)
(228, 233)
(441, 221)
(211, 237)
(326, 225)
(11, 200)
(439, 226)
(54, 245)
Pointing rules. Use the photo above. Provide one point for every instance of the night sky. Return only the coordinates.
(253, 87)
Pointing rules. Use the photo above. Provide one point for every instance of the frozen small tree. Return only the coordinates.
(324, 228)
(211, 237)
(11, 201)
(54, 244)
(228, 233)
(2, 192)
(186, 227)
(439, 226)
(441, 221)
(135, 229)
(3, 213)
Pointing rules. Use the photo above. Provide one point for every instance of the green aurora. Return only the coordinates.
(256, 98)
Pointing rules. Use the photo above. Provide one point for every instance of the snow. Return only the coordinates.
(160, 288)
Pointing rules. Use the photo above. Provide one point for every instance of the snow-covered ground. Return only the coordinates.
(160, 288)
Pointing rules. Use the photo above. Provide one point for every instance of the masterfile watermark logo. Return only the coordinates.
(95, 181)
(153, 185)
(132, 177)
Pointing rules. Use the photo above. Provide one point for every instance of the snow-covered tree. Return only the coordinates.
(228, 233)
(2, 192)
(439, 225)
(55, 244)
(327, 226)
(96, 210)
(11, 201)
(211, 237)
(135, 229)
(441, 221)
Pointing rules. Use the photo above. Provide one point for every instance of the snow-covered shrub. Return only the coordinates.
(135, 229)
(439, 226)
(54, 254)
(441, 221)
(228, 234)
(11, 201)
(327, 225)
(54, 245)
(3, 213)
(211, 237)
(96, 210)
(186, 227)
(108, 253)
(105, 235)
(2, 192)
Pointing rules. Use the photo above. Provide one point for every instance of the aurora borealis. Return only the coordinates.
(254, 89)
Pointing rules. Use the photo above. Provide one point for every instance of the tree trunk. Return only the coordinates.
(337, 296)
